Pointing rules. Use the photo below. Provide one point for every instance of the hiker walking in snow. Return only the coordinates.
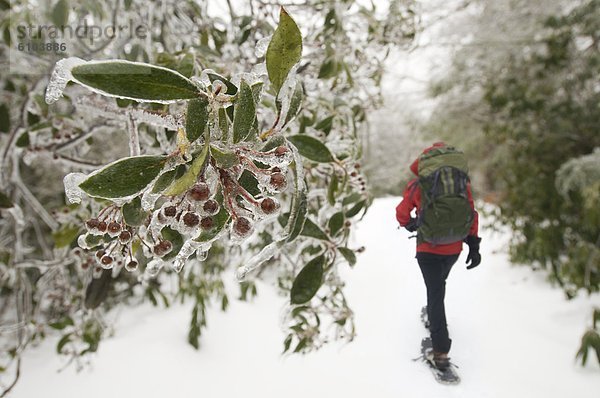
(445, 218)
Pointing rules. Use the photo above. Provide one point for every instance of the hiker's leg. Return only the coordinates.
(435, 269)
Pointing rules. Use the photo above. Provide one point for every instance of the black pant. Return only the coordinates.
(435, 269)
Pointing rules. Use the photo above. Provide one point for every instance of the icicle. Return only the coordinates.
(61, 75)
(71, 182)
(259, 259)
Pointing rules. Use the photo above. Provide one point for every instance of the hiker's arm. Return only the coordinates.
(406, 205)
(475, 226)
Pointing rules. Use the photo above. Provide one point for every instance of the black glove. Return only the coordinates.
(412, 225)
(474, 257)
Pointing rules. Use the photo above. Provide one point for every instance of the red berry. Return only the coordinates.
(278, 180)
(170, 211)
(132, 265)
(106, 260)
(163, 248)
(242, 226)
(102, 226)
(191, 219)
(114, 227)
(92, 223)
(275, 170)
(211, 207)
(280, 150)
(268, 205)
(125, 236)
(100, 254)
(353, 174)
(207, 223)
(200, 191)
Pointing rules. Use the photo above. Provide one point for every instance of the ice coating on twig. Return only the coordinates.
(61, 75)
(72, 190)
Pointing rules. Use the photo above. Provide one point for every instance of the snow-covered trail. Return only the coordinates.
(513, 336)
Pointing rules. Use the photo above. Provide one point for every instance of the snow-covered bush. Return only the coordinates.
(223, 138)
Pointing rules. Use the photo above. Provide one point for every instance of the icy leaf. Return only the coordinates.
(256, 91)
(190, 177)
(5, 202)
(224, 158)
(71, 182)
(249, 183)
(167, 178)
(224, 124)
(308, 281)
(133, 214)
(299, 202)
(23, 141)
(63, 342)
(175, 238)
(231, 88)
(332, 189)
(65, 236)
(196, 118)
(311, 148)
(61, 324)
(348, 255)
(135, 80)
(244, 113)
(284, 51)
(97, 291)
(261, 46)
(60, 14)
(295, 103)
(124, 177)
(256, 261)
(61, 75)
(313, 230)
(274, 142)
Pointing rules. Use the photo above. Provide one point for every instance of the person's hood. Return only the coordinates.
(414, 167)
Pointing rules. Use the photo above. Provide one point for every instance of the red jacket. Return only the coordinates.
(411, 199)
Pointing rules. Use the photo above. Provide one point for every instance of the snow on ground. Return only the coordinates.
(513, 336)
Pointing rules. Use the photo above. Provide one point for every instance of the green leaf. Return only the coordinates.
(336, 222)
(311, 148)
(308, 281)
(249, 183)
(295, 103)
(65, 236)
(63, 323)
(355, 209)
(62, 342)
(325, 125)
(23, 140)
(97, 290)
(244, 113)
(136, 81)
(224, 124)
(60, 14)
(284, 51)
(273, 142)
(133, 214)
(332, 189)
(348, 255)
(175, 238)
(5, 202)
(167, 178)
(124, 177)
(190, 177)
(313, 230)
(196, 118)
(4, 119)
(224, 159)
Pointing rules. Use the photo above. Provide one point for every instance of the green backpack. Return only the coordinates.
(445, 215)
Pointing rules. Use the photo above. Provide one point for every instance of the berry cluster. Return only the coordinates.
(111, 239)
